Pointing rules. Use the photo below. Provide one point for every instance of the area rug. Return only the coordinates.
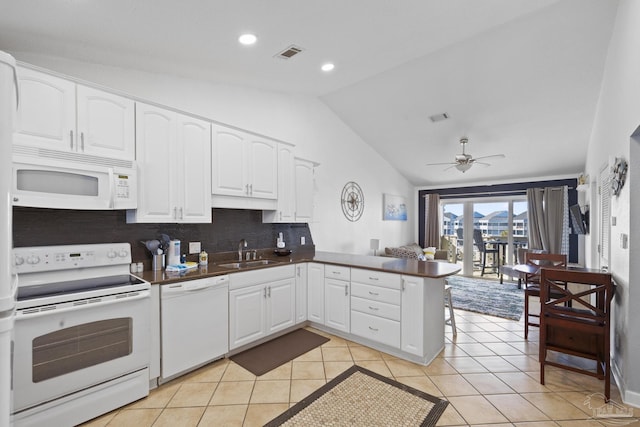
(487, 297)
(265, 357)
(360, 397)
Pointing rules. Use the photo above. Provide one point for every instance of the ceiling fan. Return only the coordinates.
(464, 161)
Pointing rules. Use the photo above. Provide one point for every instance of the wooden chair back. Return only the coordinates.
(575, 319)
(543, 260)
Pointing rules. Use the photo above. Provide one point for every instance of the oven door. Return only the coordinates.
(68, 347)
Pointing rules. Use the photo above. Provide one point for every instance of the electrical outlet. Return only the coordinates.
(194, 247)
(624, 240)
(302, 240)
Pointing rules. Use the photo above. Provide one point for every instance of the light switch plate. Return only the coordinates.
(194, 247)
(302, 240)
(624, 240)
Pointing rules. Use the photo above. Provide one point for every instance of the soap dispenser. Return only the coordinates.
(280, 242)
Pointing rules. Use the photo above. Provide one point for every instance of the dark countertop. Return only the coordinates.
(433, 269)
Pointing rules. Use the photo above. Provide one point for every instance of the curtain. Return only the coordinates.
(535, 214)
(549, 219)
(432, 220)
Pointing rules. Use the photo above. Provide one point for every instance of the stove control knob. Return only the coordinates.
(112, 254)
(123, 253)
(19, 260)
(33, 259)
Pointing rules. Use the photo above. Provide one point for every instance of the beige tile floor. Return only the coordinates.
(488, 373)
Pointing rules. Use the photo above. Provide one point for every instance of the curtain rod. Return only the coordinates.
(488, 193)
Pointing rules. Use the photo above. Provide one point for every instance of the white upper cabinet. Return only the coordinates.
(57, 114)
(173, 154)
(295, 189)
(244, 169)
(286, 206)
(304, 188)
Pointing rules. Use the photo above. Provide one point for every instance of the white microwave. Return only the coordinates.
(57, 184)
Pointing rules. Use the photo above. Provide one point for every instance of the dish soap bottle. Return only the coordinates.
(204, 258)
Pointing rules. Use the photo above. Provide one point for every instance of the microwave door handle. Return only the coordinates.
(15, 82)
(112, 192)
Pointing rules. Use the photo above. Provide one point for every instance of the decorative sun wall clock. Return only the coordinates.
(619, 175)
(352, 201)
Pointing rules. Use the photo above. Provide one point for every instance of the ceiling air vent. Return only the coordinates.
(289, 52)
(439, 117)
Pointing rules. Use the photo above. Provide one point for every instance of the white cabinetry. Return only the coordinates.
(173, 153)
(422, 315)
(244, 170)
(261, 302)
(154, 341)
(336, 297)
(304, 174)
(61, 115)
(301, 293)
(295, 189)
(375, 306)
(315, 292)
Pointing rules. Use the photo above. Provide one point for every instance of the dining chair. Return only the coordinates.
(575, 319)
(532, 282)
(486, 248)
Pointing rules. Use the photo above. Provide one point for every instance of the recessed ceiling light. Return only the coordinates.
(247, 39)
(328, 66)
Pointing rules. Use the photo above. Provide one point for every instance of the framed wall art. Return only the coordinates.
(394, 208)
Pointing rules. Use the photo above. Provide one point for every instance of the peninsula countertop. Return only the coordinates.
(411, 267)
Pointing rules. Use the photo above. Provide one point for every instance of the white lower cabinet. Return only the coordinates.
(375, 306)
(422, 315)
(261, 302)
(315, 292)
(336, 298)
(301, 293)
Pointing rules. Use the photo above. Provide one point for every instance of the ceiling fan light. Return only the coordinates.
(463, 167)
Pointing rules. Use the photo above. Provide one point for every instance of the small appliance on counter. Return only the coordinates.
(173, 253)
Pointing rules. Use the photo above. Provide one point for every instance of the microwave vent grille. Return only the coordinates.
(80, 158)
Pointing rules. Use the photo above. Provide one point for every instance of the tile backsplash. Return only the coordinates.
(37, 227)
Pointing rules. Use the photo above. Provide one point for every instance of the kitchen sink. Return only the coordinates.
(246, 264)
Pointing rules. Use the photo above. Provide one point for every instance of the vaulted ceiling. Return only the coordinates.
(517, 77)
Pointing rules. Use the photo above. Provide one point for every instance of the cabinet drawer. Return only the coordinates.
(376, 293)
(377, 278)
(376, 308)
(377, 329)
(260, 276)
(337, 272)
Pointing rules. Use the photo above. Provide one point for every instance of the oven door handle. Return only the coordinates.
(81, 305)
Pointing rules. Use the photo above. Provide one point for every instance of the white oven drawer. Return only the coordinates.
(376, 308)
(375, 328)
(377, 278)
(376, 293)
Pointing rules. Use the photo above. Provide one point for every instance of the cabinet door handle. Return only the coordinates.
(71, 139)
(403, 285)
(181, 215)
(82, 141)
(373, 308)
(373, 329)
(375, 294)
(269, 293)
(373, 278)
(251, 189)
(264, 294)
(246, 189)
(175, 213)
(346, 290)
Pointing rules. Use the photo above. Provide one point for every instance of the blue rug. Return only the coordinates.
(487, 297)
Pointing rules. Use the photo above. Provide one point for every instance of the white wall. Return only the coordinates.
(316, 131)
(617, 118)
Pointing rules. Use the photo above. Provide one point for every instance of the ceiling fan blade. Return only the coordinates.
(440, 164)
(493, 156)
(452, 166)
(482, 163)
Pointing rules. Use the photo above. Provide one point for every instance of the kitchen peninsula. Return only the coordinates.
(390, 304)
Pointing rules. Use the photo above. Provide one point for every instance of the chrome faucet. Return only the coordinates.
(242, 244)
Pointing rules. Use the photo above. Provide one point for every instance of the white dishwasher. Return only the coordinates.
(194, 323)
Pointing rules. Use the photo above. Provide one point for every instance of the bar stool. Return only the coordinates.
(451, 320)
